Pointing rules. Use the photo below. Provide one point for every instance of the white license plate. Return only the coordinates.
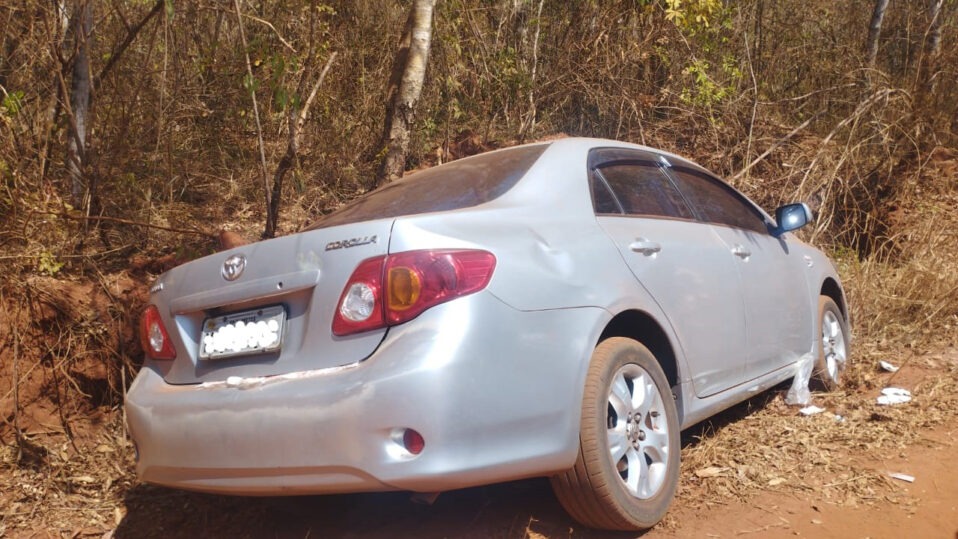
(259, 331)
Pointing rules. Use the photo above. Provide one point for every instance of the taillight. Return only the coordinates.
(360, 307)
(392, 289)
(153, 336)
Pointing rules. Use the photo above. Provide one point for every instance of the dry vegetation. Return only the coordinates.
(776, 96)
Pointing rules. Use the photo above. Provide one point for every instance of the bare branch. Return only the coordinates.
(273, 28)
(296, 123)
(128, 222)
(130, 36)
(259, 128)
(773, 147)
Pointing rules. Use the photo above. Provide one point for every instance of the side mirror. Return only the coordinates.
(792, 217)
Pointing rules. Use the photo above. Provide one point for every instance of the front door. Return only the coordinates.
(682, 263)
(778, 315)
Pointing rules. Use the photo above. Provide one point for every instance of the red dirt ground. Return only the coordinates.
(933, 513)
(528, 509)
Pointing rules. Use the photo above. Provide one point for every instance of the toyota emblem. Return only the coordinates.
(233, 267)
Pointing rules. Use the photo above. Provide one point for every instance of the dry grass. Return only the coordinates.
(907, 289)
(829, 456)
(57, 490)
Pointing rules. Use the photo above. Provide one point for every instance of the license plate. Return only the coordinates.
(259, 331)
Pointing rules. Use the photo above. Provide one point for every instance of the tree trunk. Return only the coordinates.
(80, 88)
(934, 30)
(405, 87)
(928, 68)
(874, 31)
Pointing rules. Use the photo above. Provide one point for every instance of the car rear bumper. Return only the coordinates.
(460, 374)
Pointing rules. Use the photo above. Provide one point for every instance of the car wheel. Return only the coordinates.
(627, 469)
(832, 344)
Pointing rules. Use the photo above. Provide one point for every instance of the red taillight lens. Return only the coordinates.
(390, 290)
(153, 336)
(360, 305)
(413, 441)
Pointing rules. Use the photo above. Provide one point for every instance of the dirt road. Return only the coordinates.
(927, 508)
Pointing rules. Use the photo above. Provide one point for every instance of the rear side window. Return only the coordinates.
(718, 203)
(460, 184)
(642, 188)
(603, 200)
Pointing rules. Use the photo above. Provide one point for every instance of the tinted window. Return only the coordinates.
(602, 199)
(643, 189)
(717, 202)
(459, 184)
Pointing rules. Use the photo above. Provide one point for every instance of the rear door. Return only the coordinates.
(682, 263)
(778, 311)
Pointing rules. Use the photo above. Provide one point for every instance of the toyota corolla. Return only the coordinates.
(558, 309)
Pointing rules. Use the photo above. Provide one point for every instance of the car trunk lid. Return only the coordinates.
(282, 292)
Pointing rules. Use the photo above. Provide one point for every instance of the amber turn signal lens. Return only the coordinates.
(405, 286)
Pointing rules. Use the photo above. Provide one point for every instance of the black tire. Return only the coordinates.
(594, 491)
(833, 345)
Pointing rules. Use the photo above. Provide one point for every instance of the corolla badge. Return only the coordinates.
(352, 242)
(233, 267)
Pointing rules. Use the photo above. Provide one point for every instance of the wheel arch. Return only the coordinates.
(644, 328)
(832, 289)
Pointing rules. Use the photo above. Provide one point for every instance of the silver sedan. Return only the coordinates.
(558, 309)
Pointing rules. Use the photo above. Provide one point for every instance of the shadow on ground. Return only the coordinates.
(515, 509)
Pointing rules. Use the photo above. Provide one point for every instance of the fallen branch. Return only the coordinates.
(774, 147)
(128, 222)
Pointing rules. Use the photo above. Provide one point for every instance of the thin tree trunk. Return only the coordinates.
(928, 69)
(411, 61)
(934, 30)
(874, 32)
(759, 47)
(80, 89)
(528, 124)
(252, 91)
(296, 122)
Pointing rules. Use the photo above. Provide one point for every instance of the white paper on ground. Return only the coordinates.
(902, 476)
(894, 395)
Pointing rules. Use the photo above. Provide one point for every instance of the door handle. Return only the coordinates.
(644, 246)
(741, 252)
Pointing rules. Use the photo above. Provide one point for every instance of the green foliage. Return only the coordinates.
(12, 103)
(696, 16)
(280, 70)
(250, 84)
(48, 264)
(705, 91)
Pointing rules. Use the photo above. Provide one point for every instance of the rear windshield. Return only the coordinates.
(459, 184)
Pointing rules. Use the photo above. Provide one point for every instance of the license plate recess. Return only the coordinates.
(257, 331)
